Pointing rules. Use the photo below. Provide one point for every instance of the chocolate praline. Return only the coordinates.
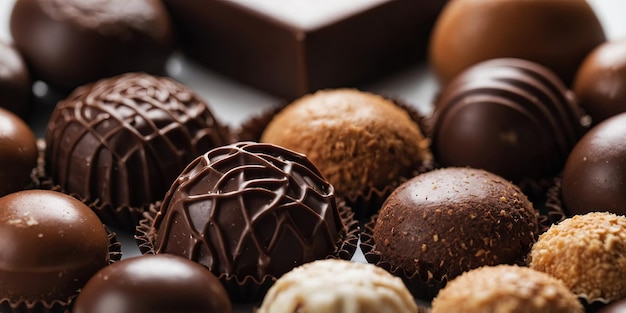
(153, 283)
(68, 43)
(18, 153)
(594, 177)
(15, 81)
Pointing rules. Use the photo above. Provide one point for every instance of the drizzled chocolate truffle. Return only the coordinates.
(15, 81)
(512, 117)
(18, 153)
(120, 143)
(68, 43)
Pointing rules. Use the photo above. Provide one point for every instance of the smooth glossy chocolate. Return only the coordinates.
(122, 141)
(555, 33)
(600, 83)
(353, 41)
(512, 117)
(18, 153)
(51, 245)
(15, 81)
(594, 178)
(615, 307)
(68, 43)
(249, 209)
(153, 283)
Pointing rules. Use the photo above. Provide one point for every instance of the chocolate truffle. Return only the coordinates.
(51, 245)
(616, 307)
(338, 286)
(357, 139)
(153, 283)
(512, 117)
(68, 43)
(18, 153)
(447, 221)
(588, 253)
(121, 142)
(506, 288)
(555, 33)
(600, 83)
(249, 210)
(15, 81)
(594, 178)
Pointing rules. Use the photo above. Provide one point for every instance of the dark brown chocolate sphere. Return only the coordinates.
(122, 141)
(512, 117)
(18, 153)
(153, 283)
(15, 81)
(600, 83)
(68, 43)
(594, 178)
(555, 33)
(444, 222)
(51, 245)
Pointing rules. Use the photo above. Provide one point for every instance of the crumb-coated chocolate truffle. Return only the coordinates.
(555, 33)
(68, 43)
(594, 178)
(600, 83)
(249, 209)
(338, 286)
(51, 245)
(153, 283)
(588, 253)
(15, 81)
(506, 288)
(18, 153)
(447, 221)
(509, 116)
(121, 142)
(357, 139)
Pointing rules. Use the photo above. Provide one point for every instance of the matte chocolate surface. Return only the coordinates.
(153, 283)
(68, 43)
(290, 60)
(512, 117)
(18, 153)
(123, 140)
(15, 81)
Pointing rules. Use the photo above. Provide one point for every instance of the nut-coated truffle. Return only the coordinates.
(18, 153)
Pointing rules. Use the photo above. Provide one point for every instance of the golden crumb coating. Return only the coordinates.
(587, 252)
(506, 289)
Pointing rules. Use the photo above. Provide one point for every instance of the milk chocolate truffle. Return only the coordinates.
(555, 33)
(588, 253)
(357, 139)
(51, 245)
(506, 288)
(18, 153)
(447, 221)
(512, 117)
(153, 283)
(15, 81)
(68, 43)
(338, 286)
(594, 178)
(600, 82)
(121, 142)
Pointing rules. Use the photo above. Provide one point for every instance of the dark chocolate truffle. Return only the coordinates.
(121, 142)
(15, 81)
(512, 117)
(18, 153)
(447, 221)
(555, 33)
(68, 43)
(51, 245)
(153, 283)
(594, 178)
(600, 83)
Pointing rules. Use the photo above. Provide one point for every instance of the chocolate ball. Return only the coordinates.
(15, 81)
(51, 245)
(594, 177)
(615, 307)
(68, 43)
(555, 33)
(600, 83)
(153, 283)
(18, 153)
(122, 141)
(512, 117)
